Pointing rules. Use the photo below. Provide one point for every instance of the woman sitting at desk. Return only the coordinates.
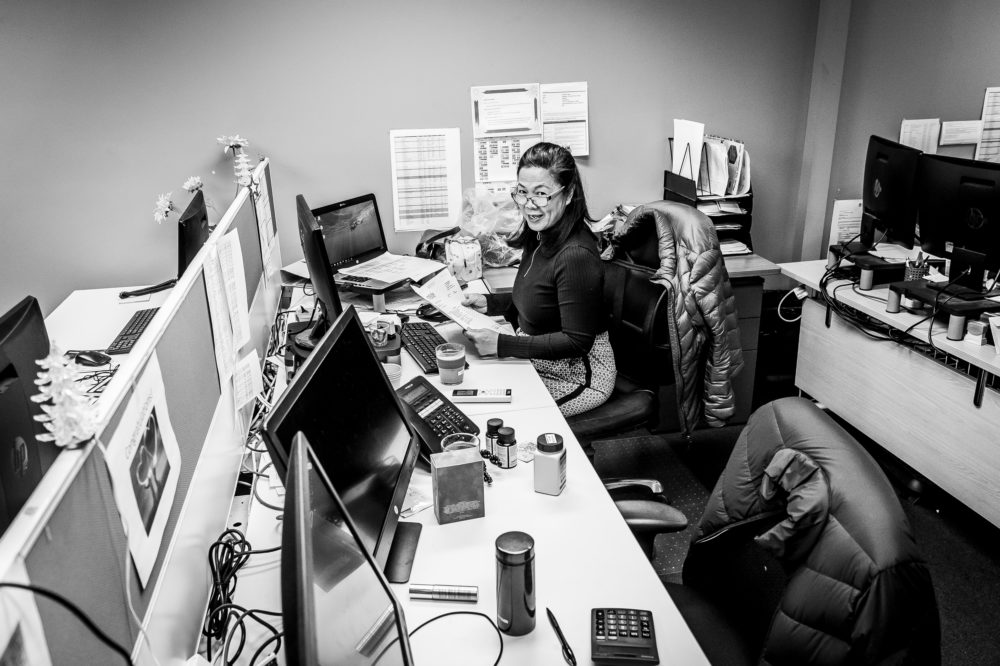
(557, 305)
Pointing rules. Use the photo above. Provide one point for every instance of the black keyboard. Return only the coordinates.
(420, 339)
(130, 333)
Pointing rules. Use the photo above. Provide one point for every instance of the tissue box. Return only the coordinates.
(975, 332)
(457, 485)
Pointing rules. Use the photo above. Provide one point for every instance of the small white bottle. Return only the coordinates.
(550, 464)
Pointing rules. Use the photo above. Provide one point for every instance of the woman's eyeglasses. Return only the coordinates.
(538, 200)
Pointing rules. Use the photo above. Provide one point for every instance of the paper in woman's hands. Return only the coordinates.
(443, 292)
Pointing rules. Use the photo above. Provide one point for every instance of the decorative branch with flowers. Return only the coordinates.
(68, 415)
(242, 168)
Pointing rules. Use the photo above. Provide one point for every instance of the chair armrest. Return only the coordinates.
(652, 517)
(618, 483)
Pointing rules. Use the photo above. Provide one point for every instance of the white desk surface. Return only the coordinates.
(585, 554)
(873, 303)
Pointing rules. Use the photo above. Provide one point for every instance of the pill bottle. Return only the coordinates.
(492, 426)
(550, 464)
(506, 448)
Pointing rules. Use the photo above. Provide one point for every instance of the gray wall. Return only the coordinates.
(910, 59)
(106, 104)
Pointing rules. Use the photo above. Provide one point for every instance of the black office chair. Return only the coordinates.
(804, 555)
(639, 336)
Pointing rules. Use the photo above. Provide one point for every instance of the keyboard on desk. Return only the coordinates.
(419, 339)
(130, 333)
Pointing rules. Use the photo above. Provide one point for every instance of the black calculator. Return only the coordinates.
(620, 636)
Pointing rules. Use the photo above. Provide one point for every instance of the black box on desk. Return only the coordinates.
(457, 485)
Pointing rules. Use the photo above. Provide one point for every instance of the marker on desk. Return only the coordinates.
(445, 592)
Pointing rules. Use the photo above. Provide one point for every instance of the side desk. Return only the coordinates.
(919, 407)
(585, 554)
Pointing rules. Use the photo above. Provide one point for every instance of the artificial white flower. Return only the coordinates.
(68, 415)
(163, 207)
(242, 168)
(232, 143)
(193, 184)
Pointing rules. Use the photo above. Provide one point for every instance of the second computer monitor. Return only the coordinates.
(23, 459)
(320, 274)
(343, 402)
(192, 231)
(959, 204)
(890, 210)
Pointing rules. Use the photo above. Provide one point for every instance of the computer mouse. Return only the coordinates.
(92, 358)
(428, 312)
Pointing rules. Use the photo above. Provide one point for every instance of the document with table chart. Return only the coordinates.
(388, 267)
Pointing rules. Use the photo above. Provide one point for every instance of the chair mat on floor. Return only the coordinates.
(652, 456)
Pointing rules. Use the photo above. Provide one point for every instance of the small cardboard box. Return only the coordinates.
(457, 485)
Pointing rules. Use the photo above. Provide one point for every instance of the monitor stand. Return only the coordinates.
(404, 546)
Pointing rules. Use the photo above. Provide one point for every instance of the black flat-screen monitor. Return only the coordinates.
(336, 606)
(23, 459)
(320, 273)
(959, 206)
(889, 207)
(353, 231)
(343, 402)
(192, 231)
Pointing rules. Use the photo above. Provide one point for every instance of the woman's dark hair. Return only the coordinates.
(559, 162)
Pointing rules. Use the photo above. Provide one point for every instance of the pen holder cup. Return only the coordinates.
(915, 272)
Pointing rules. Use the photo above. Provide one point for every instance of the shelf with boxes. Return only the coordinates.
(732, 215)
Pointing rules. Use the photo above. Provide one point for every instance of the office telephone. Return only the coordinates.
(431, 414)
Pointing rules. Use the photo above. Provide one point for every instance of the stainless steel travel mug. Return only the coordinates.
(515, 583)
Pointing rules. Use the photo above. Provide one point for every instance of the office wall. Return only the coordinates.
(910, 59)
(108, 104)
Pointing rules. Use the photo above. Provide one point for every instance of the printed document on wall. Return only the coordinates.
(989, 142)
(144, 462)
(846, 223)
(921, 134)
(497, 157)
(565, 120)
(506, 109)
(426, 178)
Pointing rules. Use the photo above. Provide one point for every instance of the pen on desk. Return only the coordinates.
(566, 649)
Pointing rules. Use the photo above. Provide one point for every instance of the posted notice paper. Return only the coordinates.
(845, 225)
(565, 117)
(426, 178)
(144, 462)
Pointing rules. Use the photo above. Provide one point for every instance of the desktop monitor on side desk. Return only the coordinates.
(317, 262)
(959, 206)
(336, 605)
(23, 459)
(888, 208)
(342, 401)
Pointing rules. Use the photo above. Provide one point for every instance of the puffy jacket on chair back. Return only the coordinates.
(857, 591)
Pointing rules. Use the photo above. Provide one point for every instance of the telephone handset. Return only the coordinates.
(431, 414)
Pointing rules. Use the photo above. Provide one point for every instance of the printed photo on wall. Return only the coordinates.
(22, 638)
(144, 463)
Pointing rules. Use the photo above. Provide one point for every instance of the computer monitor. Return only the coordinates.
(353, 231)
(192, 231)
(23, 459)
(343, 402)
(321, 275)
(337, 607)
(889, 207)
(959, 209)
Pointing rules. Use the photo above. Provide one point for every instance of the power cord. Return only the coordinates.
(75, 610)
(226, 556)
(493, 624)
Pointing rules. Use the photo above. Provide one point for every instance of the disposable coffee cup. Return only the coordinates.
(450, 362)
(394, 372)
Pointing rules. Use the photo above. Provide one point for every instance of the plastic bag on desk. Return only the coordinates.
(490, 219)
